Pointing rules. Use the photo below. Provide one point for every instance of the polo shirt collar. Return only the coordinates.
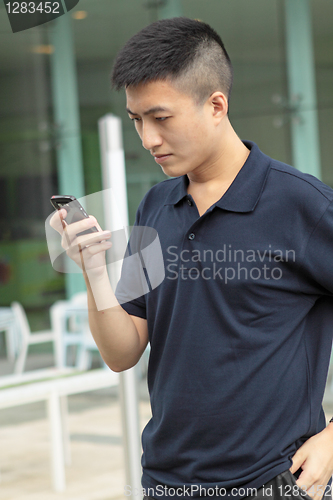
(244, 192)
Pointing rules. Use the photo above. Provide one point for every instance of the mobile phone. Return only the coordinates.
(74, 209)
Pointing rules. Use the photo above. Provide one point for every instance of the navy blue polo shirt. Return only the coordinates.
(240, 328)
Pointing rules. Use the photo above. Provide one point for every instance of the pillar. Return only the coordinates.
(67, 123)
(302, 87)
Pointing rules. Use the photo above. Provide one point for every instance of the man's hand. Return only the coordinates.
(315, 457)
(87, 251)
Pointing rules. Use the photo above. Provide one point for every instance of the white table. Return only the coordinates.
(52, 386)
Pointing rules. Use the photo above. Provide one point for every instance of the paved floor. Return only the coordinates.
(97, 468)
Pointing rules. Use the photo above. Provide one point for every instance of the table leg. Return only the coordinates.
(57, 449)
(65, 429)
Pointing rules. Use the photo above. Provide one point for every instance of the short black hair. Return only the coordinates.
(187, 52)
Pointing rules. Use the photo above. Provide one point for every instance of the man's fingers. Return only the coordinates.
(96, 223)
(298, 460)
(313, 484)
(77, 227)
(92, 238)
(57, 220)
(84, 240)
(92, 250)
(83, 256)
(70, 232)
(315, 491)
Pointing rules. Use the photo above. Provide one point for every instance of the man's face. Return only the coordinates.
(170, 123)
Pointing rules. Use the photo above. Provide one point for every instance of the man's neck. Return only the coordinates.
(216, 177)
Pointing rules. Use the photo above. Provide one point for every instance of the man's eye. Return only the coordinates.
(158, 118)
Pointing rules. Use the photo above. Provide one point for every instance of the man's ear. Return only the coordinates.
(219, 105)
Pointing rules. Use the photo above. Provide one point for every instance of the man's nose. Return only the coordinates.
(150, 137)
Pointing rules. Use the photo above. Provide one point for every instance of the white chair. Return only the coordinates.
(26, 337)
(7, 325)
(69, 320)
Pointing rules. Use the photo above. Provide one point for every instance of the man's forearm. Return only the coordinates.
(112, 327)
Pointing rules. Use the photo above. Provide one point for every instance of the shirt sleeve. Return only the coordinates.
(318, 257)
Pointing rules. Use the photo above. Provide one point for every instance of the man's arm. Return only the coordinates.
(121, 338)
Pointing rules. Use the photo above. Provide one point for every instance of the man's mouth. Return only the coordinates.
(161, 158)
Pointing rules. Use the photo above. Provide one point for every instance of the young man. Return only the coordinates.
(241, 326)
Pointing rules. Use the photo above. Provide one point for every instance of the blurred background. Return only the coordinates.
(282, 99)
(31, 137)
